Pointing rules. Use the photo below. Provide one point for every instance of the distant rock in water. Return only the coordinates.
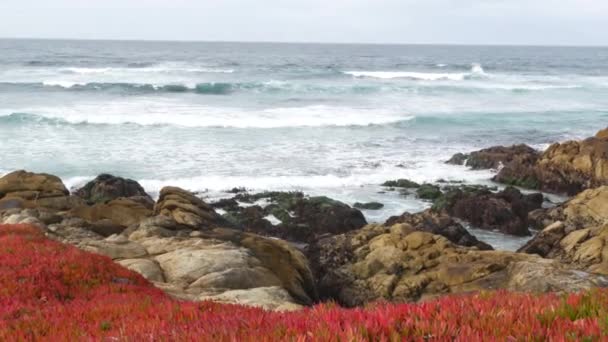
(401, 183)
(493, 157)
(369, 205)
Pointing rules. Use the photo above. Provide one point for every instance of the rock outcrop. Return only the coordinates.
(399, 263)
(505, 211)
(567, 167)
(577, 232)
(106, 187)
(22, 189)
(494, 157)
(439, 223)
(120, 212)
(290, 216)
(186, 209)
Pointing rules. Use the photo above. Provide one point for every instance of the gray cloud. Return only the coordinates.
(570, 22)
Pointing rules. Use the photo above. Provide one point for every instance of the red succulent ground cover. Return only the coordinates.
(56, 292)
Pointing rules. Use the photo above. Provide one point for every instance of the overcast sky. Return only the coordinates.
(546, 22)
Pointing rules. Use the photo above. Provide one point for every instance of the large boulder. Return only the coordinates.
(505, 211)
(28, 190)
(186, 209)
(568, 167)
(290, 215)
(106, 187)
(215, 264)
(494, 157)
(113, 216)
(577, 232)
(439, 223)
(399, 264)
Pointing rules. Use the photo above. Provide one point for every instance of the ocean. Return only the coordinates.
(335, 120)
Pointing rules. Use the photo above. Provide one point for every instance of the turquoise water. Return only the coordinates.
(329, 119)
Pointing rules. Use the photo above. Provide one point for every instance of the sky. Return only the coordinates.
(526, 22)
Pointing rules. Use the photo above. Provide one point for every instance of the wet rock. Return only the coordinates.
(493, 157)
(291, 215)
(106, 187)
(369, 205)
(428, 192)
(401, 183)
(506, 211)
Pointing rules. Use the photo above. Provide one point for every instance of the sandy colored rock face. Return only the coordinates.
(578, 234)
(122, 212)
(401, 264)
(24, 189)
(186, 209)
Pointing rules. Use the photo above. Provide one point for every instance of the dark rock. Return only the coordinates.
(303, 219)
(458, 159)
(439, 223)
(506, 211)
(401, 183)
(428, 192)
(369, 206)
(107, 187)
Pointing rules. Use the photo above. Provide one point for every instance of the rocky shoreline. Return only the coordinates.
(286, 250)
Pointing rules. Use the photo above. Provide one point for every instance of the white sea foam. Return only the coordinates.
(427, 76)
(188, 115)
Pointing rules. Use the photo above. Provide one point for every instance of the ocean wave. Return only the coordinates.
(205, 117)
(145, 69)
(476, 71)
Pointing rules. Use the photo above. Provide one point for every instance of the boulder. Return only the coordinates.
(578, 234)
(401, 183)
(439, 223)
(186, 209)
(106, 187)
(568, 167)
(401, 264)
(369, 206)
(109, 217)
(31, 190)
(505, 211)
(291, 215)
(493, 157)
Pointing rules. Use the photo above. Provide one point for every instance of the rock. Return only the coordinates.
(568, 167)
(106, 187)
(506, 211)
(401, 183)
(428, 192)
(186, 209)
(297, 217)
(441, 224)
(400, 264)
(493, 157)
(578, 234)
(269, 298)
(24, 189)
(369, 206)
(146, 267)
(121, 212)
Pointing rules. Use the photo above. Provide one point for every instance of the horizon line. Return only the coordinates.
(299, 42)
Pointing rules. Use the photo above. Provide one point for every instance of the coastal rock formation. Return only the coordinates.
(106, 187)
(567, 167)
(22, 189)
(186, 209)
(120, 212)
(399, 263)
(439, 223)
(290, 216)
(506, 211)
(217, 264)
(494, 157)
(578, 234)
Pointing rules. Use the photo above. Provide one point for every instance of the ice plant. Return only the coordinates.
(51, 291)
